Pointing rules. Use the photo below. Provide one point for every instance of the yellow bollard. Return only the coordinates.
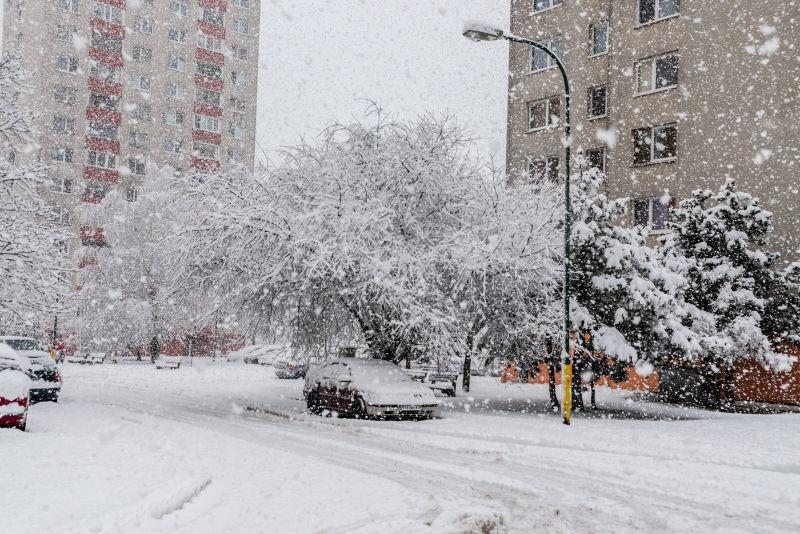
(566, 379)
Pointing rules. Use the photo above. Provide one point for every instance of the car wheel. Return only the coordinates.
(312, 403)
(359, 408)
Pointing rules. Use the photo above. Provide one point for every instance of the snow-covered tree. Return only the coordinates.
(33, 268)
(126, 293)
(624, 297)
(736, 298)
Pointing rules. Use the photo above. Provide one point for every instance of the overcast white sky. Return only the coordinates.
(319, 57)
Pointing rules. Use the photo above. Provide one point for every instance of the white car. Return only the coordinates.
(165, 361)
(367, 387)
(44, 373)
(14, 389)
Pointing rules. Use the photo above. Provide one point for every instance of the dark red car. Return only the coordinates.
(14, 390)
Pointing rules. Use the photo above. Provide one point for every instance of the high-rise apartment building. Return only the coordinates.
(122, 86)
(667, 96)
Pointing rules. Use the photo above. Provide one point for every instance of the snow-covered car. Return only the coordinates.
(290, 368)
(366, 387)
(165, 361)
(44, 373)
(14, 389)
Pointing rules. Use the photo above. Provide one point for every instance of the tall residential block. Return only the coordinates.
(122, 86)
(667, 96)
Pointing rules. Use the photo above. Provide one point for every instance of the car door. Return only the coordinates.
(327, 386)
(342, 380)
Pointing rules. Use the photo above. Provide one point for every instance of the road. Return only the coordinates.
(230, 449)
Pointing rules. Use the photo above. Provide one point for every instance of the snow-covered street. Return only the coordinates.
(228, 449)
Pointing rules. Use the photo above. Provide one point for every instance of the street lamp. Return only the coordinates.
(478, 33)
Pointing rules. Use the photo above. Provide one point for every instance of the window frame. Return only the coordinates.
(61, 185)
(101, 160)
(653, 60)
(73, 64)
(551, 64)
(653, 129)
(603, 153)
(590, 100)
(70, 6)
(548, 115)
(650, 211)
(182, 8)
(656, 18)
(552, 5)
(592, 53)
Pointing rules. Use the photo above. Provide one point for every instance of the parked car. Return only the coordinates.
(366, 387)
(444, 381)
(43, 371)
(14, 389)
(165, 361)
(290, 368)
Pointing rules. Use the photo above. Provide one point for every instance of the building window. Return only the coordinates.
(236, 126)
(64, 95)
(209, 70)
(103, 130)
(238, 103)
(66, 63)
(598, 100)
(657, 73)
(655, 145)
(64, 33)
(240, 52)
(63, 154)
(95, 191)
(107, 13)
(241, 3)
(542, 5)
(104, 160)
(63, 125)
(173, 118)
(540, 170)
(544, 113)
(106, 42)
(651, 213)
(173, 146)
(143, 25)
(60, 184)
(61, 216)
(212, 16)
(131, 194)
(175, 90)
(653, 10)
(140, 82)
(138, 139)
(206, 123)
(142, 112)
(206, 42)
(239, 78)
(107, 73)
(208, 97)
(241, 26)
(206, 151)
(597, 159)
(73, 6)
(176, 63)
(540, 60)
(142, 54)
(136, 166)
(179, 7)
(235, 156)
(177, 35)
(101, 101)
(599, 38)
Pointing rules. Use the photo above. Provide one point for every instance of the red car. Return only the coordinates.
(14, 390)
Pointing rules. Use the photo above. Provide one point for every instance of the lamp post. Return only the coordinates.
(477, 33)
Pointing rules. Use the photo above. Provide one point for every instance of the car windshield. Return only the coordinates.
(379, 372)
(22, 344)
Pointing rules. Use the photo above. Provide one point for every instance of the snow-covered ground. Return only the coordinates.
(228, 449)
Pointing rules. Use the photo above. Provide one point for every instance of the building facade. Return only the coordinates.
(126, 86)
(667, 96)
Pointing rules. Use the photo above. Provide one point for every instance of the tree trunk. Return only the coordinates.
(593, 401)
(551, 384)
(727, 391)
(467, 369)
(577, 386)
(155, 347)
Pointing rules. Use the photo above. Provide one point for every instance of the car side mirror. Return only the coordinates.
(344, 383)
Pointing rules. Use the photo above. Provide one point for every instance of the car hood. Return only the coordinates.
(402, 393)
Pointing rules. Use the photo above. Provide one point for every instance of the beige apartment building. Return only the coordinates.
(125, 86)
(667, 96)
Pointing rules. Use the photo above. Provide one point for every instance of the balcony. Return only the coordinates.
(107, 176)
(205, 164)
(107, 58)
(107, 28)
(92, 237)
(104, 115)
(206, 137)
